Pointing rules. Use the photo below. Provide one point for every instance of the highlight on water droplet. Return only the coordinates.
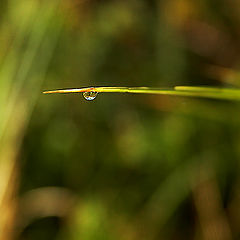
(90, 95)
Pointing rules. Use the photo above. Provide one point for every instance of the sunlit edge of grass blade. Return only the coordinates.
(185, 91)
(206, 89)
(211, 92)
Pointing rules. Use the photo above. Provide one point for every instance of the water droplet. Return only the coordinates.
(90, 95)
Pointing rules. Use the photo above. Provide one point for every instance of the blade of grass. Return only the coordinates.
(185, 91)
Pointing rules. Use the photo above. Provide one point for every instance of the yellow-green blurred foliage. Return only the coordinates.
(122, 166)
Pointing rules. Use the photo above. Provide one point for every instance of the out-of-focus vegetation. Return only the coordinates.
(122, 166)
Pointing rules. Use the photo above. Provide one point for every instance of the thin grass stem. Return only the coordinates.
(185, 91)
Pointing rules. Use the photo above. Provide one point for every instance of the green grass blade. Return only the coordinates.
(185, 91)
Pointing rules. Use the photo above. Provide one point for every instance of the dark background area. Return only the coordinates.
(124, 166)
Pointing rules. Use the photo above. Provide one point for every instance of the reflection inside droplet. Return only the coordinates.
(90, 95)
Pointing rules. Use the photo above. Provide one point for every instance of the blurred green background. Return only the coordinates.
(123, 166)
